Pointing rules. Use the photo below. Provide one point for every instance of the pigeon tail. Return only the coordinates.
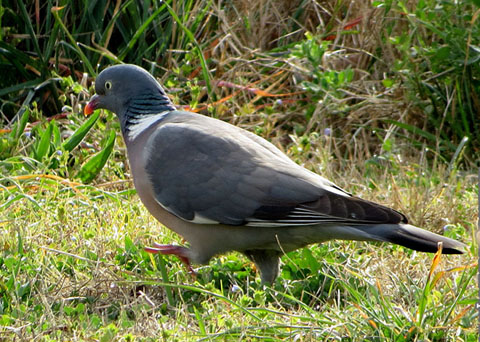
(414, 238)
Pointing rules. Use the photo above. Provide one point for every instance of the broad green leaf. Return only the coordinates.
(95, 164)
(129, 245)
(387, 82)
(19, 127)
(43, 146)
(56, 134)
(80, 133)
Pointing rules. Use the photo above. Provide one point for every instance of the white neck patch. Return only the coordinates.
(142, 123)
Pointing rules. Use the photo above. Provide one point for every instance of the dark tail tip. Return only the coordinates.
(425, 241)
(418, 239)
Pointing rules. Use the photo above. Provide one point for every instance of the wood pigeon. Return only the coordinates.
(223, 188)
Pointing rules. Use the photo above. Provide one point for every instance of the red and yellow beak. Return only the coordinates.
(91, 105)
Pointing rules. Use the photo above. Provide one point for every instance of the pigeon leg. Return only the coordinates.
(179, 251)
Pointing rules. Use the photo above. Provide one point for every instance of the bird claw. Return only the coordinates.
(179, 251)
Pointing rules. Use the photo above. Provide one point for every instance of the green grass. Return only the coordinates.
(72, 267)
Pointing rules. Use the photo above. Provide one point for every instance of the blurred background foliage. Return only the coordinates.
(378, 77)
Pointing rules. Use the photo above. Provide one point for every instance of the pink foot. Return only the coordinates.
(179, 251)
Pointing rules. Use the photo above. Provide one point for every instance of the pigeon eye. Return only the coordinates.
(108, 85)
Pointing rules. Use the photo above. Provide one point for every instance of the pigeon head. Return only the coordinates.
(128, 91)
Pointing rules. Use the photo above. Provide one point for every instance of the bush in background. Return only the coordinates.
(375, 76)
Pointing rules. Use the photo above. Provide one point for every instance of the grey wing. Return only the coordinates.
(209, 175)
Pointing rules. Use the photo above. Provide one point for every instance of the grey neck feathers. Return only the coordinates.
(145, 105)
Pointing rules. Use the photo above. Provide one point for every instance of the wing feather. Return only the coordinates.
(204, 170)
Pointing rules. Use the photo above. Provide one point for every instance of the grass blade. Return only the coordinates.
(458, 152)
(32, 34)
(198, 49)
(72, 40)
(140, 31)
(20, 86)
(415, 130)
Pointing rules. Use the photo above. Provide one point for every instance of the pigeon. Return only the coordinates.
(223, 188)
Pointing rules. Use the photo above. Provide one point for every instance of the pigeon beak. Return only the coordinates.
(91, 105)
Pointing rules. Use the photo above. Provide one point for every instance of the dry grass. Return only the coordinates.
(356, 114)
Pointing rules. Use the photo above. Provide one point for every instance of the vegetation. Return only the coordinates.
(381, 96)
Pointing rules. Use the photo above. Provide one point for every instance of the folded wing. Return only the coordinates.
(207, 171)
